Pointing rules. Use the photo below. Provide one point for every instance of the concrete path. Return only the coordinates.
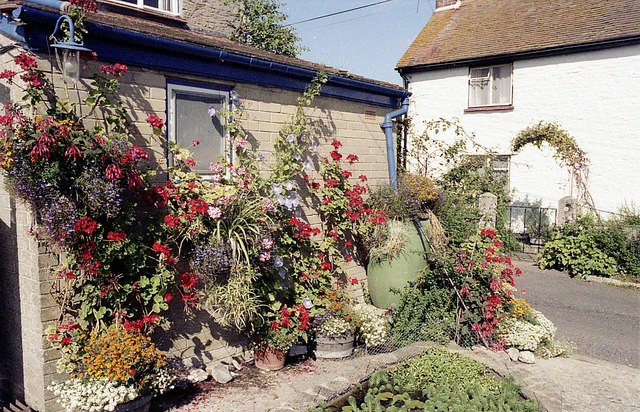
(601, 319)
(576, 384)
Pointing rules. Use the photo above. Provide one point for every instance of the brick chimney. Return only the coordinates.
(447, 4)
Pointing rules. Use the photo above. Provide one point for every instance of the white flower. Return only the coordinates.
(276, 188)
(292, 201)
(291, 138)
(278, 262)
(289, 184)
(212, 111)
(308, 164)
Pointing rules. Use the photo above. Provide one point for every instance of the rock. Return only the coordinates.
(297, 350)
(513, 354)
(526, 357)
(197, 375)
(236, 364)
(221, 374)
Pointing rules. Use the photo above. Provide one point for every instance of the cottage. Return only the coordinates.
(183, 68)
(500, 66)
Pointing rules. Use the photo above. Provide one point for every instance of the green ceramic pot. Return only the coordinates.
(385, 275)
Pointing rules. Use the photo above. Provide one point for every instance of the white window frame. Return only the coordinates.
(172, 90)
(490, 84)
(174, 6)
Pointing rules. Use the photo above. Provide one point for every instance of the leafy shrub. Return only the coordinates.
(574, 249)
(424, 315)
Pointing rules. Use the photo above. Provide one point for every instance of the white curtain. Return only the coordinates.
(501, 93)
(479, 90)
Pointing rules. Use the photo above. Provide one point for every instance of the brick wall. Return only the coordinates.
(196, 337)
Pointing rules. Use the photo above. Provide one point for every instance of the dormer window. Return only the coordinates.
(490, 86)
(165, 6)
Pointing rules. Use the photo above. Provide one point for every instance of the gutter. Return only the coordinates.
(145, 50)
(387, 125)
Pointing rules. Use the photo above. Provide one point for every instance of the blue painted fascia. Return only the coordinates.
(138, 49)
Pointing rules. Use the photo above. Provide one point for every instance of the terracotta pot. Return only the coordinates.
(334, 348)
(269, 359)
(137, 405)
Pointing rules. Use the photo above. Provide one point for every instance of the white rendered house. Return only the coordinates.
(500, 66)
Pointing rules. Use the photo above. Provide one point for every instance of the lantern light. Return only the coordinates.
(70, 51)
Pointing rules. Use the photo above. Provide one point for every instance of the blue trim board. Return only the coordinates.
(152, 52)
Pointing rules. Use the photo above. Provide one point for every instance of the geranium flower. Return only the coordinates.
(116, 236)
(352, 159)
(115, 70)
(7, 74)
(188, 280)
(335, 155)
(363, 178)
(86, 225)
(336, 143)
(155, 121)
(25, 61)
(161, 249)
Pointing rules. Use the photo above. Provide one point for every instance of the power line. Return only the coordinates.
(338, 12)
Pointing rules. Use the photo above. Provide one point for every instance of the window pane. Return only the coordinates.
(153, 3)
(479, 92)
(501, 85)
(193, 122)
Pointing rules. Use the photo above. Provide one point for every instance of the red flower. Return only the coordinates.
(488, 232)
(335, 155)
(363, 178)
(188, 280)
(151, 318)
(160, 248)
(113, 172)
(88, 56)
(315, 185)
(465, 291)
(133, 326)
(171, 220)
(73, 152)
(198, 206)
(116, 236)
(25, 61)
(352, 158)
(167, 297)
(155, 121)
(275, 326)
(325, 265)
(116, 70)
(86, 224)
(65, 341)
(7, 74)
(336, 143)
(347, 174)
(332, 182)
(191, 162)
(354, 281)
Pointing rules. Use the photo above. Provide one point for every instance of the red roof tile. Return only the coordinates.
(488, 28)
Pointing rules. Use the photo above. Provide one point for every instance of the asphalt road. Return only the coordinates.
(602, 320)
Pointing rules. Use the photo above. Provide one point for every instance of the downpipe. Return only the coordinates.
(387, 126)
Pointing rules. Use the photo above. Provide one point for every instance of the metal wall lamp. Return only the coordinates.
(70, 51)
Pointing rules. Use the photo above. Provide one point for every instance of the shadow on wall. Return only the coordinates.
(11, 371)
(197, 338)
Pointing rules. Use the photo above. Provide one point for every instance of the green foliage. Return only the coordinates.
(261, 25)
(424, 315)
(606, 249)
(575, 250)
(438, 381)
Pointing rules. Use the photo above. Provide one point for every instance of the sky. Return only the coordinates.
(368, 42)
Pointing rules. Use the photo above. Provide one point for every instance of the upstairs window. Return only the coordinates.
(490, 86)
(195, 114)
(165, 6)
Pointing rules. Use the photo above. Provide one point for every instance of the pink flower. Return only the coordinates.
(214, 212)
(73, 152)
(155, 121)
(465, 291)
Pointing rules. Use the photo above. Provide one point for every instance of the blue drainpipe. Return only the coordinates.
(387, 125)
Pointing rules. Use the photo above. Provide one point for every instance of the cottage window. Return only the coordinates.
(490, 86)
(166, 6)
(195, 122)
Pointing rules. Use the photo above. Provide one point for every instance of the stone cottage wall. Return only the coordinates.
(217, 16)
(29, 364)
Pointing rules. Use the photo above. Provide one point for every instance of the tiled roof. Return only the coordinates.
(175, 29)
(489, 28)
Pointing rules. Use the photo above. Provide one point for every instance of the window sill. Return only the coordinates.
(497, 108)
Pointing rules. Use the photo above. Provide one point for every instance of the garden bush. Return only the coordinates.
(585, 248)
(438, 381)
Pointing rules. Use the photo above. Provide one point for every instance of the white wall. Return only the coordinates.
(595, 96)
